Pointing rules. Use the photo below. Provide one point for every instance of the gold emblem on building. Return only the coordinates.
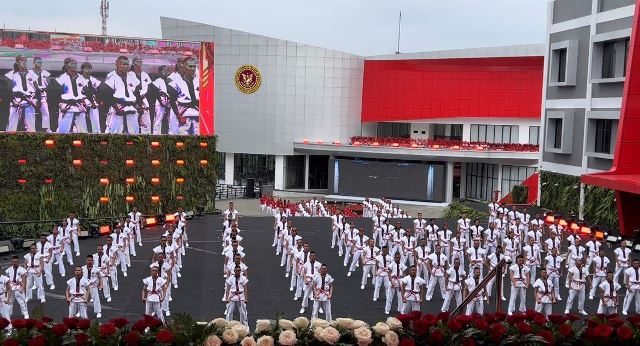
(248, 79)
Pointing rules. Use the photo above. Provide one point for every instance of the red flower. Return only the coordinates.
(468, 342)
(31, 322)
(515, 318)
(404, 318)
(10, 342)
(42, 326)
(4, 323)
(437, 337)
(119, 322)
(464, 319)
(38, 341)
(615, 322)
(420, 327)
(481, 324)
(573, 317)
(557, 319)
(152, 321)
(84, 324)
(603, 330)
(82, 339)
(500, 316)
(454, 325)
(59, 329)
(592, 323)
(46, 319)
(601, 316)
(415, 315)
(548, 336)
(70, 322)
(539, 319)
(107, 329)
(19, 323)
(496, 332)
(407, 342)
(140, 326)
(635, 319)
(523, 327)
(429, 318)
(624, 333)
(443, 316)
(590, 333)
(530, 314)
(490, 318)
(164, 336)
(565, 330)
(132, 338)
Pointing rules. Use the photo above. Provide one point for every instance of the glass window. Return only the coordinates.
(221, 166)
(481, 180)
(474, 133)
(534, 135)
(514, 134)
(482, 135)
(561, 55)
(603, 136)
(318, 171)
(456, 132)
(609, 59)
(256, 166)
(294, 172)
(506, 134)
(557, 133)
(626, 55)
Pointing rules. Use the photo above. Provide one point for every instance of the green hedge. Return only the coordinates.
(561, 193)
(103, 156)
(455, 210)
(519, 194)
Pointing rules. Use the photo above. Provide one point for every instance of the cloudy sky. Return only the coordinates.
(363, 27)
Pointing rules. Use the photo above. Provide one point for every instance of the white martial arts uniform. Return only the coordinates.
(322, 288)
(455, 280)
(477, 303)
(34, 274)
(609, 300)
(92, 275)
(521, 278)
(155, 296)
(622, 261)
(72, 107)
(397, 272)
(16, 275)
(577, 287)
(438, 264)
(554, 269)
(413, 286)
(632, 276)
(123, 87)
(78, 291)
(600, 267)
(546, 296)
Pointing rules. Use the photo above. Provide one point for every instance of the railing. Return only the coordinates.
(495, 272)
(232, 192)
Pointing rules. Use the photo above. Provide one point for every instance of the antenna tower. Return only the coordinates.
(104, 13)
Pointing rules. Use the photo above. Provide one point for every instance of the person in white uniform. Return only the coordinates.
(491, 239)
(552, 242)
(55, 240)
(444, 239)
(632, 283)
(34, 264)
(476, 256)
(17, 276)
(120, 242)
(378, 221)
(136, 219)
(578, 277)
(458, 247)
(89, 86)
(600, 266)
(419, 225)
(574, 252)
(41, 82)
(554, 270)
(91, 273)
(383, 272)
(593, 246)
(357, 250)
(65, 232)
(622, 259)
(102, 262)
(6, 296)
(77, 294)
(322, 286)
(491, 263)
(412, 289)
(533, 259)
(163, 109)
(545, 293)
(519, 274)
(302, 258)
(386, 234)
(309, 270)
(369, 263)
(123, 108)
(437, 265)
(72, 106)
(45, 250)
(188, 98)
(22, 104)
(455, 283)
(608, 296)
(397, 273)
(464, 225)
(153, 293)
(477, 303)
(74, 225)
(113, 252)
(421, 254)
(140, 92)
(476, 231)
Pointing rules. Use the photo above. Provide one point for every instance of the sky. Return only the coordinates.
(364, 27)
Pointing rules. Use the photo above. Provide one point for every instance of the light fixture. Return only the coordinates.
(179, 145)
(455, 147)
(356, 143)
(414, 145)
(395, 145)
(104, 199)
(105, 230)
(179, 180)
(204, 162)
(337, 142)
(305, 141)
(77, 162)
(104, 181)
(130, 181)
(549, 219)
(155, 180)
(180, 163)
(22, 162)
(436, 146)
(155, 163)
(320, 141)
(22, 181)
(48, 181)
(104, 162)
(155, 199)
(169, 218)
(612, 239)
(129, 199)
(375, 144)
(563, 223)
(49, 143)
(150, 221)
(155, 144)
(104, 142)
(204, 145)
(130, 163)
(179, 197)
(129, 142)
(77, 143)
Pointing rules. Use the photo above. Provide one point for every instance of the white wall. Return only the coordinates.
(306, 92)
(419, 127)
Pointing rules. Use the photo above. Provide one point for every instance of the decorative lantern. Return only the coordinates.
(179, 145)
(179, 197)
(129, 199)
(305, 141)
(155, 145)
(180, 163)
(22, 162)
(104, 181)
(179, 180)
(77, 143)
(129, 142)
(48, 181)
(49, 143)
(104, 162)
(155, 199)
(204, 162)
(22, 181)
(204, 145)
(155, 181)
(104, 200)
(77, 162)
(130, 181)
(155, 163)
(130, 163)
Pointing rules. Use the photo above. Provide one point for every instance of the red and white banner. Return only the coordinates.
(206, 89)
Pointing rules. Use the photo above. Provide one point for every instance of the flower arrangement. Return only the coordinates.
(404, 330)
(442, 144)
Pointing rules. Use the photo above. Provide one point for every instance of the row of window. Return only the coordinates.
(559, 132)
(481, 179)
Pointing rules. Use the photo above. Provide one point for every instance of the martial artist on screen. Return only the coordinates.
(23, 92)
(118, 91)
(140, 92)
(41, 81)
(187, 96)
(72, 106)
(89, 85)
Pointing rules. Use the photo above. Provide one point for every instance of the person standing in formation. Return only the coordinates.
(438, 264)
(477, 303)
(412, 288)
(369, 263)
(455, 283)
(77, 294)
(45, 250)
(153, 294)
(17, 276)
(578, 278)
(600, 265)
(545, 294)
(383, 265)
(91, 273)
(322, 293)
(632, 283)
(397, 272)
(357, 250)
(34, 264)
(136, 220)
(310, 269)
(622, 259)
(608, 296)
(519, 274)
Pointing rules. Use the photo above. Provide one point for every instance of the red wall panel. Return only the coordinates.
(395, 90)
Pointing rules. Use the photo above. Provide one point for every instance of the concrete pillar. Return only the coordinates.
(229, 163)
(279, 173)
(449, 183)
(306, 172)
(581, 206)
(463, 180)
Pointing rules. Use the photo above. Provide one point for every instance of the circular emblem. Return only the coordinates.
(248, 79)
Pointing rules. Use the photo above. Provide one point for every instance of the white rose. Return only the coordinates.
(317, 333)
(213, 340)
(319, 323)
(248, 341)
(391, 339)
(241, 329)
(287, 338)
(265, 340)
(344, 322)
(394, 323)
(285, 324)
(219, 322)
(330, 335)
(232, 324)
(263, 326)
(363, 335)
(301, 322)
(358, 324)
(381, 328)
(230, 336)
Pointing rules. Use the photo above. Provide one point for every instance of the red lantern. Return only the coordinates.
(77, 143)
(49, 143)
(455, 147)
(129, 142)
(395, 145)
(155, 163)
(129, 199)
(337, 142)
(155, 181)
(104, 200)
(204, 144)
(104, 142)
(320, 141)
(104, 181)
(155, 199)
(356, 143)
(436, 146)
(305, 141)
(179, 145)
(104, 162)
(204, 162)
(179, 197)
(375, 144)
(22, 162)
(180, 163)
(48, 181)
(77, 162)
(22, 181)
(179, 180)
(130, 181)
(414, 145)
(155, 145)
(130, 163)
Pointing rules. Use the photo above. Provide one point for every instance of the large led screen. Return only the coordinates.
(70, 83)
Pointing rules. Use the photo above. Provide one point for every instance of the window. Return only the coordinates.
(609, 59)
(564, 63)
(393, 130)
(256, 166)
(481, 180)
(447, 131)
(512, 176)
(603, 136)
(534, 135)
(294, 172)
(494, 133)
(556, 142)
(559, 132)
(610, 50)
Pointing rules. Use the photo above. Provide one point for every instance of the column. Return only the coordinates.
(581, 206)
(502, 193)
(449, 183)
(279, 173)
(306, 172)
(229, 167)
(463, 180)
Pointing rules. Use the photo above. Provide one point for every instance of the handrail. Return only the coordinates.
(495, 272)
